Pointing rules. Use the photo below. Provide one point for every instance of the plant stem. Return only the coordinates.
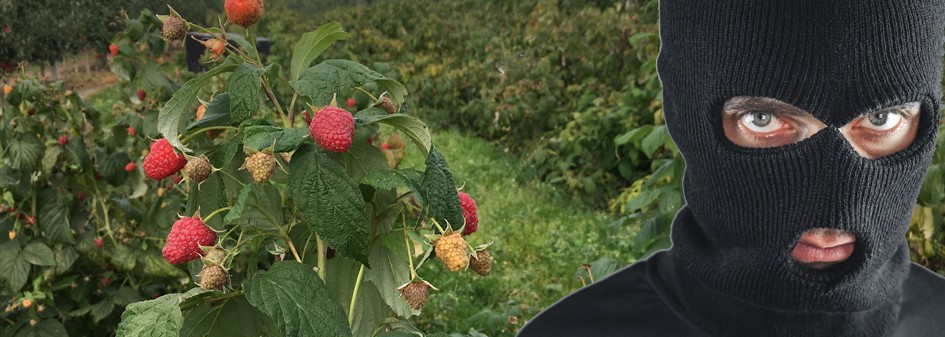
(209, 128)
(295, 253)
(232, 177)
(320, 246)
(413, 272)
(214, 213)
(354, 295)
(373, 99)
(295, 96)
(275, 102)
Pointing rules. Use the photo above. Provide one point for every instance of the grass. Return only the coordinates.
(541, 239)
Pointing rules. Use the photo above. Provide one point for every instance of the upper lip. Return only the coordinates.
(827, 238)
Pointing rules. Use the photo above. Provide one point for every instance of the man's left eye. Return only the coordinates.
(882, 120)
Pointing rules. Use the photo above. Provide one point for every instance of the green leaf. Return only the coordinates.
(13, 268)
(641, 200)
(259, 137)
(258, 205)
(440, 199)
(65, 257)
(101, 310)
(217, 114)
(53, 220)
(392, 179)
(312, 44)
(184, 101)
(389, 270)
(656, 138)
(244, 86)
(324, 80)
(124, 258)
(599, 269)
(363, 158)
(410, 126)
(329, 201)
(39, 254)
(46, 328)
(25, 152)
(209, 197)
(159, 317)
(234, 317)
(297, 301)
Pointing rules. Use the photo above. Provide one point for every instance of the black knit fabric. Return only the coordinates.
(731, 267)
(747, 207)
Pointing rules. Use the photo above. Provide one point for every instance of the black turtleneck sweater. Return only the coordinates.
(640, 301)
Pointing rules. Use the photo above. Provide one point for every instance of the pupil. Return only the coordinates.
(760, 119)
(878, 119)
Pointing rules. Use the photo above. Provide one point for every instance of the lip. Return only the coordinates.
(821, 247)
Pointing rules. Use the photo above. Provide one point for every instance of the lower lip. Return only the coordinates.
(804, 252)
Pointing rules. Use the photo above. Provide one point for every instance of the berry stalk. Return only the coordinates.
(354, 295)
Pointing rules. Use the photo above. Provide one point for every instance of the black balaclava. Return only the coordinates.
(747, 207)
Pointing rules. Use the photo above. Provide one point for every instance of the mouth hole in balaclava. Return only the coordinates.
(765, 125)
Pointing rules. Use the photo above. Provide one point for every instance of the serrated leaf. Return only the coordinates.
(392, 179)
(209, 197)
(258, 205)
(53, 219)
(39, 254)
(13, 269)
(156, 266)
(184, 101)
(297, 301)
(363, 158)
(233, 317)
(389, 270)
(259, 137)
(101, 309)
(312, 44)
(440, 199)
(25, 152)
(50, 158)
(65, 257)
(244, 86)
(159, 317)
(329, 201)
(45, 328)
(217, 113)
(324, 80)
(410, 126)
(123, 258)
(656, 138)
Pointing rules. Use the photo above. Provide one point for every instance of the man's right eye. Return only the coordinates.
(761, 122)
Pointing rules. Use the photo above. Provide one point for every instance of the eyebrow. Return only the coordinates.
(743, 103)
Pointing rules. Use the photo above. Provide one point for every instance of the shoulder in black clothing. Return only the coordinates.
(622, 304)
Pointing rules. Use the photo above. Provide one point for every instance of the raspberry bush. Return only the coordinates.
(212, 204)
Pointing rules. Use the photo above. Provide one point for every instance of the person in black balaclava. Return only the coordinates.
(807, 127)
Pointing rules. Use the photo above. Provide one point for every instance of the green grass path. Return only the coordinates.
(541, 239)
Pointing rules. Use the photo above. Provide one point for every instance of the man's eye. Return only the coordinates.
(760, 122)
(882, 121)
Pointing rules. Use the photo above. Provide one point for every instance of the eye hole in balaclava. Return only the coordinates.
(763, 122)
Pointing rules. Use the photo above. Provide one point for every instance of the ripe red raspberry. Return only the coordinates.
(333, 129)
(351, 103)
(63, 140)
(142, 94)
(243, 12)
(113, 49)
(130, 167)
(185, 239)
(99, 242)
(131, 131)
(469, 213)
(162, 162)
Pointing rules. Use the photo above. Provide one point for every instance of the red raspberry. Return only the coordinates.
(351, 103)
(131, 131)
(63, 140)
(142, 94)
(162, 162)
(113, 49)
(99, 242)
(130, 167)
(469, 213)
(243, 12)
(185, 239)
(333, 129)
